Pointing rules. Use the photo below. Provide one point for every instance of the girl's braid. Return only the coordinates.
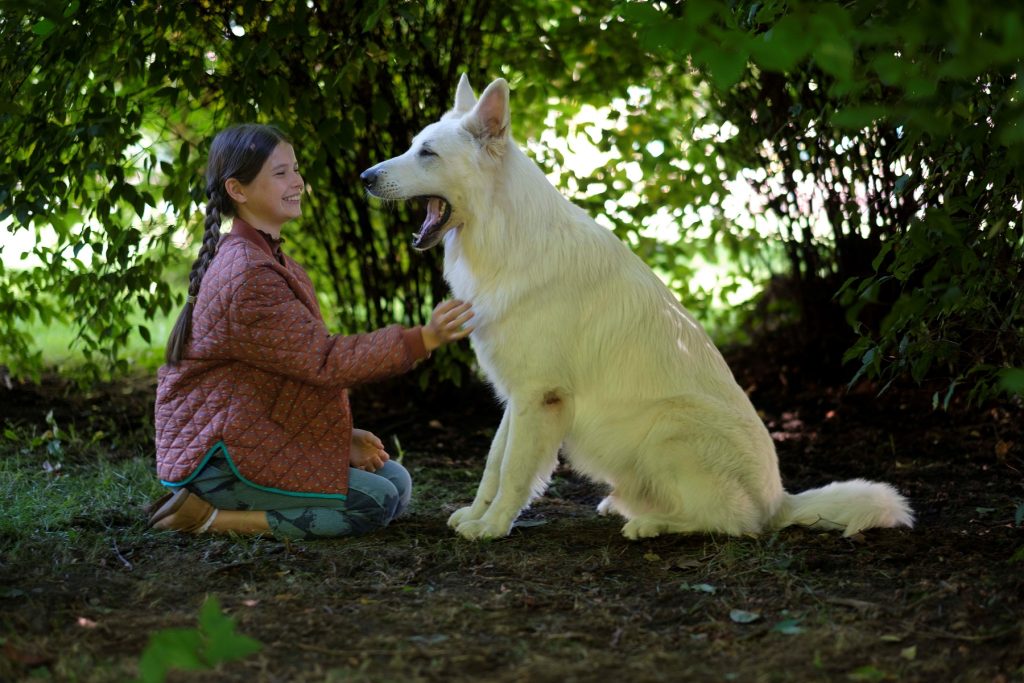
(211, 237)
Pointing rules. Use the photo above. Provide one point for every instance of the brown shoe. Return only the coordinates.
(181, 511)
(158, 503)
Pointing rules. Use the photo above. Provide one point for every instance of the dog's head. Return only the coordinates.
(450, 163)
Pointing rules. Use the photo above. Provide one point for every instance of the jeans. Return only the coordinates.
(373, 501)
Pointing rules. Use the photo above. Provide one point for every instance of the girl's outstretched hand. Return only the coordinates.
(447, 323)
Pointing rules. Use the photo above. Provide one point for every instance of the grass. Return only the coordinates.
(51, 509)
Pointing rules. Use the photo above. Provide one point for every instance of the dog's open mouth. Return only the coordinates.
(438, 213)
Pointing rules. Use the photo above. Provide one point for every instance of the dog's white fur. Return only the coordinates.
(591, 353)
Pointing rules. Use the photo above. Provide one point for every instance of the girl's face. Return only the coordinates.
(274, 196)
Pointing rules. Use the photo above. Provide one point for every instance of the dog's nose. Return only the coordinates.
(369, 177)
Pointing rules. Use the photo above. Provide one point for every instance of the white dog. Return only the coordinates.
(591, 353)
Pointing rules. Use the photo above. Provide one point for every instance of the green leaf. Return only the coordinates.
(1012, 132)
(868, 673)
(889, 67)
(783, 46)
(44, 27)
(222, 643)
(726, 64)
(374, 17)
(1011, 380)
(701, 12)
(173, 648)
(789, 627)
(640, 13)
(835, 56)
(671, 37)
(857, 117)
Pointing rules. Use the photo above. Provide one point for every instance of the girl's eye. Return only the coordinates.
(427, 152)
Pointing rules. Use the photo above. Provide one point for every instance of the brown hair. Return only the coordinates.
(237, 152)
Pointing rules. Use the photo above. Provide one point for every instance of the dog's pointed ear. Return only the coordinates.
(464, 97)
(489, 119)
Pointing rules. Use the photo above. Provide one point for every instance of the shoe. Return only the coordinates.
(183, 511)
(159, 503)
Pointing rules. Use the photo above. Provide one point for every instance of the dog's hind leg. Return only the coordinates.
(488, 487)
(607, 505)
(537, 425)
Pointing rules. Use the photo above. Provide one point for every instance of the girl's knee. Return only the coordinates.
(390, 501)
(401, 480)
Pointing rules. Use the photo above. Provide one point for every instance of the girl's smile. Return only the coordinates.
(279, 177)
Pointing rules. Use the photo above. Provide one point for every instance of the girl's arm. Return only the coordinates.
(269, 327)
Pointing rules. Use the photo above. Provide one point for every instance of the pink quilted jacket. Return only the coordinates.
(262, 381)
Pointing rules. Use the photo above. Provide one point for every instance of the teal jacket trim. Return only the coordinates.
(221, 447)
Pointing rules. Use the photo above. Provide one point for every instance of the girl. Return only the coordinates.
(253, 427)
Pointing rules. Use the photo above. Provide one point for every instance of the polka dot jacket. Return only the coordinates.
(262, 377)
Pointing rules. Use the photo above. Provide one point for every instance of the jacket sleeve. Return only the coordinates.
(270, 328)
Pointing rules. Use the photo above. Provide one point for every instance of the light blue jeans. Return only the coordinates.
(373, 501)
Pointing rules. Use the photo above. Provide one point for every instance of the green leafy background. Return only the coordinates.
(855, 165)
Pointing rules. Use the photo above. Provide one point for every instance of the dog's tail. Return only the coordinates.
(849, 505)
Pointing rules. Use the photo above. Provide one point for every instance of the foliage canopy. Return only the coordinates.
(887, 140)
(883, 142)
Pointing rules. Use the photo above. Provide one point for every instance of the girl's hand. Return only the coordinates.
(367, 451)
(447, 324)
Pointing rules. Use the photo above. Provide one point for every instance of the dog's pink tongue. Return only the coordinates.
(433, 212)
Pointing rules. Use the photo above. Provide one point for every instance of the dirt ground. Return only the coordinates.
(565, 597)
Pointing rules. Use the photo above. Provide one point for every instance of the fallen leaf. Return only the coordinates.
(701, 588)
(909, 653)
(789, 627)
(652, 557)
(527, 523)
(743, 617)
(855, 604)
(26, 657)
(685, 563)
(867, 673)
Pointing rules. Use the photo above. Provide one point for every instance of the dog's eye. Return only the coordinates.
(427, 152)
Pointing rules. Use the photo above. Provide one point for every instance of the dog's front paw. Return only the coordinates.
(461, 515)
(638, 528)
(482, 530)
